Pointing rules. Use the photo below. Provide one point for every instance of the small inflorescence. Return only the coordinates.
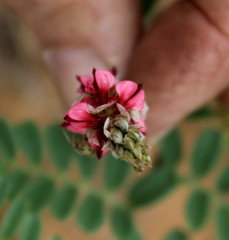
(109, 117)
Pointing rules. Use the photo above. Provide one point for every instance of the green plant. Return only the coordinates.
(34, 175)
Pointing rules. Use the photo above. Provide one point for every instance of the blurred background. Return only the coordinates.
(102, 201)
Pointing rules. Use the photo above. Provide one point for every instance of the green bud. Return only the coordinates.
(82, 146)
(147, 160)
(129, 157)
(116, 135)
(121, 122)
(119, 151)
(129, 143)
(138, 152)
(135, 134)
(138, 169)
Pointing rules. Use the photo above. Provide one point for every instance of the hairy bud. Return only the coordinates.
(122, 122)
(116, 136)
(127, 143)
(82, 146)
(135, 134)
(119, 151)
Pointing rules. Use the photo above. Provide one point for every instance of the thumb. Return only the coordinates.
(77, 35)
(183, 61)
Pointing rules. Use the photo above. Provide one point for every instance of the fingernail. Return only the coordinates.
(65, 64)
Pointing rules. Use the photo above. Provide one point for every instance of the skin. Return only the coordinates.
(182, 60)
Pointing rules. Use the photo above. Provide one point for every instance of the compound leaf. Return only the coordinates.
(151, 187)
(63, 201)
(222, 222)
(115, 173)
(223, 181)
(91, 213)
(13, 218)
(39, 193)
(59, 149)
(32, 228)
(197, 208)
(176, 234)
(206, 152)
(171, 148)
(28, 139)
(7, 146)
(16, 181)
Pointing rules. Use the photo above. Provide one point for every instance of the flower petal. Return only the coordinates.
(80, 112)
(105, 128)
(104, 80)
(135, 116)
(136, 102)
(87, 83)
(75, 129)
(126, 89)
(89, 101)
(141, 124)
(103, 109)
(100, 153)
(131, 96)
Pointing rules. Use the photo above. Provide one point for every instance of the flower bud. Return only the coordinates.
(135, 134)
(138, 151)
(121, 122)
(119, 151)
(138, 169)
(129, 143)
(148, 161)
(82, 146)
(129, 157)
(116, 135)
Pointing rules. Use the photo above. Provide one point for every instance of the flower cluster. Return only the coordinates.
(109, 117)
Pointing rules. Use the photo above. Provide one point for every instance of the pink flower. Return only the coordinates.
(103, 99)
(98, 85)
(78, 119)
(131, 95)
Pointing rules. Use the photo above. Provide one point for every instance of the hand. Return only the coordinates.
(183, 60)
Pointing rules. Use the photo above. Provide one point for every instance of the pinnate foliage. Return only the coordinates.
(34, 175)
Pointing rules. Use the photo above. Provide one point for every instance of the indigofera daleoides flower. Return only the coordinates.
(109, 116)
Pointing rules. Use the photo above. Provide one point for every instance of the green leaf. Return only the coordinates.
(87, 165)
(63, 201)
(121, 222)
(32, 228)
(223, 181)
(202, 113)
(3, 190)
(13, 218)
(7, 147)
(206, 152)
(59, 149)
(16, 181)
(3, 166)
(56, 238)
(147, 5)
(197, 208)
(171, 148)
(91, 213)
(39, 193)
(176, 234)
(222, 222)
(28, 139)
(115, 173)
(134, 235)
(151, 187)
